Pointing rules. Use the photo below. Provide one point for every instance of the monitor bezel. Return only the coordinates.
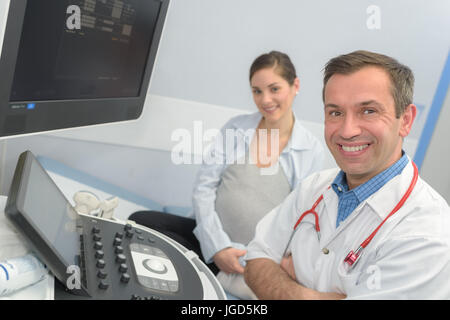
(36, 239)
(61, 114)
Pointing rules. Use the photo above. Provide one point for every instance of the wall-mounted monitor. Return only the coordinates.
(72, 63)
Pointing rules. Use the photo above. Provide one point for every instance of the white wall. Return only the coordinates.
(208, 45)
(435, 166)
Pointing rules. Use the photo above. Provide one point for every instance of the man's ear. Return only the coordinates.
(407, 119)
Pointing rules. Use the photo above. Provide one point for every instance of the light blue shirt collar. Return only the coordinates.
(354, 197)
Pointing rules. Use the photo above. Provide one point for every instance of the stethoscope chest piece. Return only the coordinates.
(352, 257)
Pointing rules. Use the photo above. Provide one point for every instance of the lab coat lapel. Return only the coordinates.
(384, 201)
(331, 201)
(381, 202)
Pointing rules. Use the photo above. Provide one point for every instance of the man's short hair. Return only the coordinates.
(402, 78)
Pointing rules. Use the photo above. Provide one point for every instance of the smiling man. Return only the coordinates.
(372, 229)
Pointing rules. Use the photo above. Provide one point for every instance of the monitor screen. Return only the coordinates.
(71, 63)
(47, 209)
(45, 218)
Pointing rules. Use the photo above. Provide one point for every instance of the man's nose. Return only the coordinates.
(350, 127)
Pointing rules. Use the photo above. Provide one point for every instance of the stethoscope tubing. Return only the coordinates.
(353, 256)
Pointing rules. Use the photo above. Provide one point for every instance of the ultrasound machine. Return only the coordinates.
(78, 63)
(101, 258)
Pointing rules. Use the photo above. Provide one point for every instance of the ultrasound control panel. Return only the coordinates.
(96, 258)
(125, 261)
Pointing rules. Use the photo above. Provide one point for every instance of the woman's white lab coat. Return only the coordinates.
(409, 258)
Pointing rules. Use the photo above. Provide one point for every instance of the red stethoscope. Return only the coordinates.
(353, 256)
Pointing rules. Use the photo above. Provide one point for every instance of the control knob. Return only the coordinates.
(121, 258)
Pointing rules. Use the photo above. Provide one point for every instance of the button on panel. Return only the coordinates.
(141, 270)
(121, 258)
(98, 245)
(123, 268)
(99, 254)
(154, 265)
(103, 285)
(95, 230)
(125, 278)
(118, 249)
(102, 274)
(100, 263)
(119, 235)
(129, 234)
(117, 241)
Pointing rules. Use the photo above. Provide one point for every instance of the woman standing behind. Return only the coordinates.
(230, 199)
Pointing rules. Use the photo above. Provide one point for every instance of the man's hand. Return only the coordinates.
(288, 265)
(228, 260)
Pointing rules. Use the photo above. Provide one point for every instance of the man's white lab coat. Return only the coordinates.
(409, 258)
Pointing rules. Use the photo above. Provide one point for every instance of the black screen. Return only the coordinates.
(74, 63)
(50, 212)
(83, 49)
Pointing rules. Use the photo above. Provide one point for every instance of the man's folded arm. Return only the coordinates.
(270, 282)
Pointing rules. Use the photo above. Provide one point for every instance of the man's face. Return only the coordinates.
(361, 129)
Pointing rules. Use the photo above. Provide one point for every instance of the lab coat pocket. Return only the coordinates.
(349, 278)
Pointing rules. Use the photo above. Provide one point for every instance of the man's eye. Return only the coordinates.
(275, 89)
(334, 113)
